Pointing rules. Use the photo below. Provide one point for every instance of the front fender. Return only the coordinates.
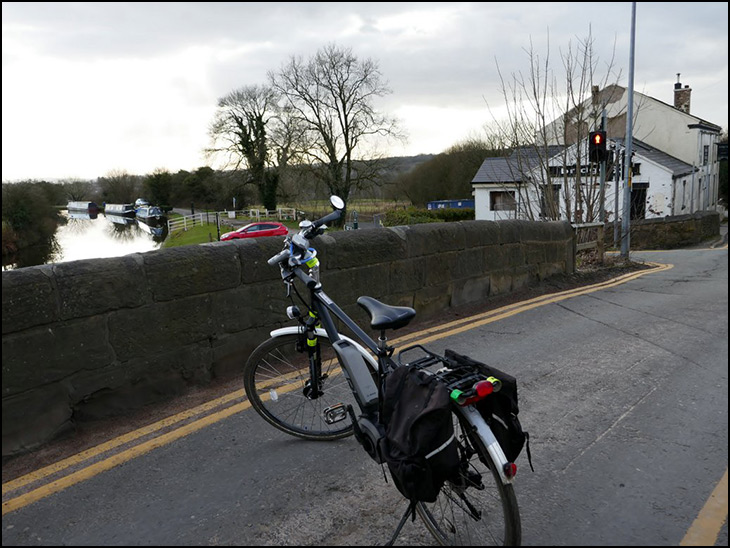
(293, 330)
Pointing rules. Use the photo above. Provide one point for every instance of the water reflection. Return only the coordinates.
(156, 229)
(86, 235)
(32, 255)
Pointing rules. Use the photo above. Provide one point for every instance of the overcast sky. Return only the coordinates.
(90, 87)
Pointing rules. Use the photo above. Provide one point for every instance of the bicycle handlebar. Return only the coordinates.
(296, 244)
(336, 214)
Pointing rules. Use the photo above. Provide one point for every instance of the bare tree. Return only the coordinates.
(119, 187)
(240, 130)
(546, 119)
(77, 190)
(330, 101)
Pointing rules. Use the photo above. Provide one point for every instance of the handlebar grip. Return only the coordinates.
(279, 257)
(336, 214)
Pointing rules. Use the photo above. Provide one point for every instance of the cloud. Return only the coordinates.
(91, 87)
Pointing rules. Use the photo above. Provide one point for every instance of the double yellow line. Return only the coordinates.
(167, 430)
(121, 457)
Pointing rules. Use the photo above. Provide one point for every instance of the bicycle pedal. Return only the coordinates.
(335, 413)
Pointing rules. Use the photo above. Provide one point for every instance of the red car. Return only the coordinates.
(257, 230)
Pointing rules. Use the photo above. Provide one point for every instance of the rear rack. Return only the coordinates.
(455, 375)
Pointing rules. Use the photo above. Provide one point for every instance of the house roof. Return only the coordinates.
(675, 165)
(497, 170)
(612, 92)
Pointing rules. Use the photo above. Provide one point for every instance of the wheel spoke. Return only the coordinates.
(476, 509)
(277, 382)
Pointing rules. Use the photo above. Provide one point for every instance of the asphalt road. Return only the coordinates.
(623, 389)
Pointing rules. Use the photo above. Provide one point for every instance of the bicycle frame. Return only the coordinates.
(306, 378)
(349, 352)
(356, 361)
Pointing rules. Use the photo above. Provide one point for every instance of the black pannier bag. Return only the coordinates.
(419, 444)
(499, 409)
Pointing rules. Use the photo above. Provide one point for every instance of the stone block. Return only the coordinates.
(88, 288)
(153, 329)
(29, 298)
(45, 355)
(32, 418)
(180, 272)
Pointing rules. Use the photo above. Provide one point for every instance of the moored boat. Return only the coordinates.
(90, 207)
(150, 213)
(119, 209)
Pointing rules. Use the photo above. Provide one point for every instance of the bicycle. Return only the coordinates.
(307, 380)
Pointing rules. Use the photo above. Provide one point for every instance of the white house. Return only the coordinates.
(675, 168)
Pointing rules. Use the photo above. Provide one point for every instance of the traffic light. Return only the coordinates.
(597, 146)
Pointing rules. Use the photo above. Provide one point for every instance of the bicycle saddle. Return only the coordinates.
(384, 316)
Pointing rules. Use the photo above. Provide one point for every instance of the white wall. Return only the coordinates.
(483, 203)
(662, 198)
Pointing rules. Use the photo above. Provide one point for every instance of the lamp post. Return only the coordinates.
(626, 224)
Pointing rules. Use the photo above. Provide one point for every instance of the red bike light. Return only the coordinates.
(510, 469)
(483, 388)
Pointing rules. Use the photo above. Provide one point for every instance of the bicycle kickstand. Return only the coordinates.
(410, 511)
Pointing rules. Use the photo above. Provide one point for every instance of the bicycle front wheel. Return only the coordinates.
(278, 384)
(476, 508)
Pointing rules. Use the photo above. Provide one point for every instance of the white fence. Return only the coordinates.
(189, 221)
(281, 214)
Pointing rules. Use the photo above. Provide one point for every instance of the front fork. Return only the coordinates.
(313, 387)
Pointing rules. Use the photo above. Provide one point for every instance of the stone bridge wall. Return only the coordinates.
(93, 338)
(671, 232)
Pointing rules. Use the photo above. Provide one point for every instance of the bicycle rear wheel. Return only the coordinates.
(278, 385)
(477, 508)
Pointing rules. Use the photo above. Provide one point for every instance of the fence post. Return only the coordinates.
(601, 241)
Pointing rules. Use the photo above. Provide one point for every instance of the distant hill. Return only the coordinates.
(402, 164)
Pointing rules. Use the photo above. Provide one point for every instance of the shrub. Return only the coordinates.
(413, 216)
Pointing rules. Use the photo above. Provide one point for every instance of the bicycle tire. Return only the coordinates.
(276, 380)
(494, 519)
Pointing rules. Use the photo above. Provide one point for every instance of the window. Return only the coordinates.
(502, 200)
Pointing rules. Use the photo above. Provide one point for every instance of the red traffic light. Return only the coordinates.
(597, 146)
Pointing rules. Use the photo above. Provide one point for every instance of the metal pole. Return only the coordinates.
(626, 224)
(616, 188)
(602, 198)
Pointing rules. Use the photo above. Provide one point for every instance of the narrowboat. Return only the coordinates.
(89, 207)
(119, 209)
(150, 213)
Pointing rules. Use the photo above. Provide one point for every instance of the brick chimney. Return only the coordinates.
(681, 96)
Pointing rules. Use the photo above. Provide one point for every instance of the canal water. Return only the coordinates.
(86, 236)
